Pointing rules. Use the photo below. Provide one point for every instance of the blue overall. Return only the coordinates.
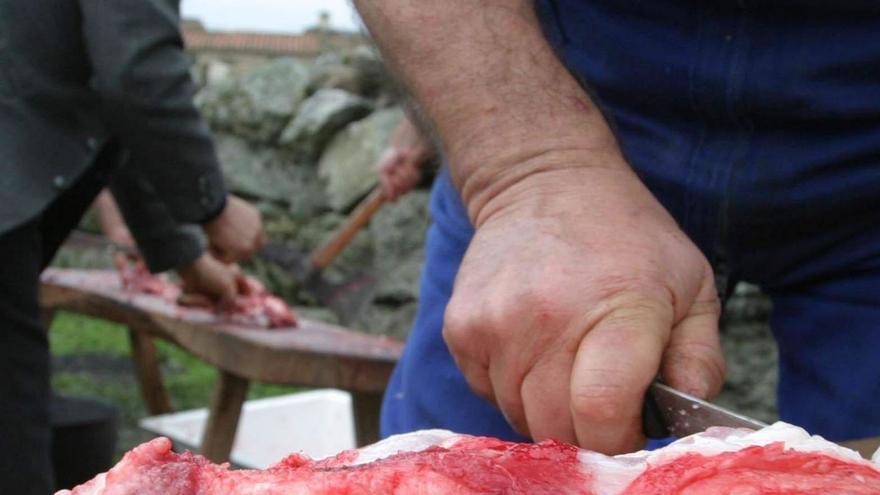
(757, 125)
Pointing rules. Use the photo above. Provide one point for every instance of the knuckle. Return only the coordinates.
(457, 329)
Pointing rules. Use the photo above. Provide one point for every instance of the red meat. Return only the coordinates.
(720, 461)
(254, 306)
(136, 278)
(471, 466)
(764, 470)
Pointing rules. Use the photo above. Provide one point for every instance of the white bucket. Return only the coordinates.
(318, 423)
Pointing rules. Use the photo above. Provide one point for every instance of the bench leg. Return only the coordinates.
(146, 365)
(366, 417)
(229, 395)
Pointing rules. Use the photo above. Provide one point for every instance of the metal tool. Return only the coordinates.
(669, 412)
(346, 299)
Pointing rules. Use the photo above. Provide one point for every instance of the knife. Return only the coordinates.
(669, 412)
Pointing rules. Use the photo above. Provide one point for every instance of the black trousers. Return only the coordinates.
(25, 433)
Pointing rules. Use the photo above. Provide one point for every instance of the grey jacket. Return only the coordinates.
(75, 74)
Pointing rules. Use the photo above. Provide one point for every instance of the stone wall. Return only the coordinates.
(752, 374)
(301, 139)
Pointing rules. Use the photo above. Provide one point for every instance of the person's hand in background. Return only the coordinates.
(207, 281)
(403, 157)
(237, 233)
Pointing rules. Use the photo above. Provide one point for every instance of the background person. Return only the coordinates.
(84, 87)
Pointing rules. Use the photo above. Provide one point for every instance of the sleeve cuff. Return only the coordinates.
(172, 251)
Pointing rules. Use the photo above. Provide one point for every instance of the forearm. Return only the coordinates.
(164, 243)
(110, 218)
(504, 106)
(141, 74)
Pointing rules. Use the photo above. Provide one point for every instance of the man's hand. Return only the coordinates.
(576, 289)
(237, 233)
(399, 165)
(398, 172)
(208, 280)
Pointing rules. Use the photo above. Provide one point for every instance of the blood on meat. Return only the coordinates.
(759, 470)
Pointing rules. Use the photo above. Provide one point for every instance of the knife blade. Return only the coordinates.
(669, 412)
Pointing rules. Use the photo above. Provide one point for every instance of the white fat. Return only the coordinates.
(611, 475)
(407, 442)
(615, 473)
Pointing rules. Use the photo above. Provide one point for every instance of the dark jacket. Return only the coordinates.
(76, 74)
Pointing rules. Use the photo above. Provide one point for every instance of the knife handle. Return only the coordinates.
(653, 423)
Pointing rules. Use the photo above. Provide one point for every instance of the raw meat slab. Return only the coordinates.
(778, 460)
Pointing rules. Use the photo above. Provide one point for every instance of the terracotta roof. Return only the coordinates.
(296, 44)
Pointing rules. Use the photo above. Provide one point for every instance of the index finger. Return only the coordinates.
(616, 362)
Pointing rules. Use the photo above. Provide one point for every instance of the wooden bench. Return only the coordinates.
(313, 354)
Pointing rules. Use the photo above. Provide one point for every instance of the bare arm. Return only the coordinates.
(577, 288)
(487, 78)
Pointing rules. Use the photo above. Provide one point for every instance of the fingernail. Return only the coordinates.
(700, 386)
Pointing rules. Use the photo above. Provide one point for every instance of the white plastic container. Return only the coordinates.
(318, 423)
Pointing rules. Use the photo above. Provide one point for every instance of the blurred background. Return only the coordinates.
(301, 108)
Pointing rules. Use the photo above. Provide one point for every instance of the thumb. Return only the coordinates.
(615, 363)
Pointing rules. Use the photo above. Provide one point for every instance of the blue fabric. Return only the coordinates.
(758, 128)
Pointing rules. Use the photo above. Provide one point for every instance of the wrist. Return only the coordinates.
(494, 188)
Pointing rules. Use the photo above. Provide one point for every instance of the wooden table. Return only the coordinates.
(313, 354)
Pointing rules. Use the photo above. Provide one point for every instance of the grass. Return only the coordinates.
(91, 358)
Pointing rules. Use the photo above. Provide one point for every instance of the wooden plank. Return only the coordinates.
(229, 395)
(146, 365)
(314, 354)
(366, 417)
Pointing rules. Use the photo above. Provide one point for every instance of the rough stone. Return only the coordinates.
(752, 357)
(261, 172)
(318, 119)
(336, 76)
(258, 105)
(748, 304)
(398, 232)
(374, 77)
(393, 321)
(348, 164)
(359, 71)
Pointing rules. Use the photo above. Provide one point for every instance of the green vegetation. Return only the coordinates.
(91, 358)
